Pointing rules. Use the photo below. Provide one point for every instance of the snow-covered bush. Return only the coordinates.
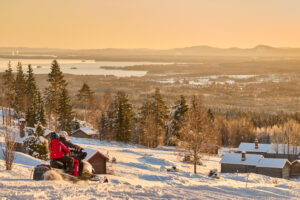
(36, 144)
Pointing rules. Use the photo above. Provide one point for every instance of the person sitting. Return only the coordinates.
(63, 137)
(59, 152)
(78, 165)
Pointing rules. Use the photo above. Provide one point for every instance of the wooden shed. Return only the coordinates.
(274, 167)
(85, 132)
(295, 169)
(97, 160)
(239, 163)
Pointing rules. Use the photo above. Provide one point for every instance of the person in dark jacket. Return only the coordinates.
(78, 165)
(60, 152)
(63, 138)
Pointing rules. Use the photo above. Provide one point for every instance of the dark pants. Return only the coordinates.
(68, 162)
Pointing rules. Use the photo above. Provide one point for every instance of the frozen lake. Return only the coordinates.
(78, 67)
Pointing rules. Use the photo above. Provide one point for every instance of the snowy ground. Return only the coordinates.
(138, 174)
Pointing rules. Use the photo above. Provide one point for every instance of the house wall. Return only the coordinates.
(286, 171)
(295, 170)
(232, 168)
(99, 164)
(273, 172)
(290, 157)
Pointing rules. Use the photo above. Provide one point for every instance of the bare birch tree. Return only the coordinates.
(198, 133)
(8, 149)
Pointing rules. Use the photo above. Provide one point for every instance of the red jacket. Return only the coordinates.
(58, 149)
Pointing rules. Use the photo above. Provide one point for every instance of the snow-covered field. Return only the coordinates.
(140, 173)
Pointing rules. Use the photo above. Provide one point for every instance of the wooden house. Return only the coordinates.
(270, 150)
(85, 132)
(239, 163)
(97, 160)
(274, 167)
(295, 169)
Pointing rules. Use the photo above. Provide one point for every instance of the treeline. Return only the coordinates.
(152, 124)
(23, 99)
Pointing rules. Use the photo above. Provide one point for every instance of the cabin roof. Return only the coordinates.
(272, 162)
(92, 152)
(267, 148)
(250, 147)
(298, 161)
(236, 158)
(87, 130)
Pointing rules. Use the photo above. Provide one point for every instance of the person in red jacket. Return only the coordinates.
(59, 152)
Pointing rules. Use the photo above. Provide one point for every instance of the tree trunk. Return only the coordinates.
(3, 118)
(195, 162)
(9, 115)
(49, 121)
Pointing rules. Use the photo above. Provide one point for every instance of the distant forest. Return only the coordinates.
(154, 120)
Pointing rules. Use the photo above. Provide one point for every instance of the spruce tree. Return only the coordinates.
(30, 116)
(40, 113)
(178, 115)
(20, 86)
(64, 112)
(8, 91)
(53, 92)
(31, 88)
(124, 118)
(86, 97)
(159, 108)
(160, 113)
(31, 98)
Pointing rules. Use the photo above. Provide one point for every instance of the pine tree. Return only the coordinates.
(154, 112)
(40, 114)
(160, 113)
(31, 98)
(20, 86)
(30, 116)
(86, 97)
(53, 92)
(159, 108)
(31, 88)
(64, 112)
(178, 115)
(8, 92)
(124, 118)
(147, 127)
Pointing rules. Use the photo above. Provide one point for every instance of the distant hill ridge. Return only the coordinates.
(259, 50)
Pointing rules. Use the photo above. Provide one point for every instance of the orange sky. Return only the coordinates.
(159, 24)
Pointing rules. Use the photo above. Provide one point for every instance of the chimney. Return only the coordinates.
(243, 156)
(256, 143)
(22, 124)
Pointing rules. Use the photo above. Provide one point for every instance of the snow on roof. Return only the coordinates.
(88, 130)
(236, 158)
(22, 120)
(92, 152)
(272, 162)
(250, 147)
(296, 161)
(268, 148)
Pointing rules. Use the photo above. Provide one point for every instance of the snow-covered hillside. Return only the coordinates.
(140, 173)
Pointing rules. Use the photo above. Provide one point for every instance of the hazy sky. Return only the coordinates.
(149, 23)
